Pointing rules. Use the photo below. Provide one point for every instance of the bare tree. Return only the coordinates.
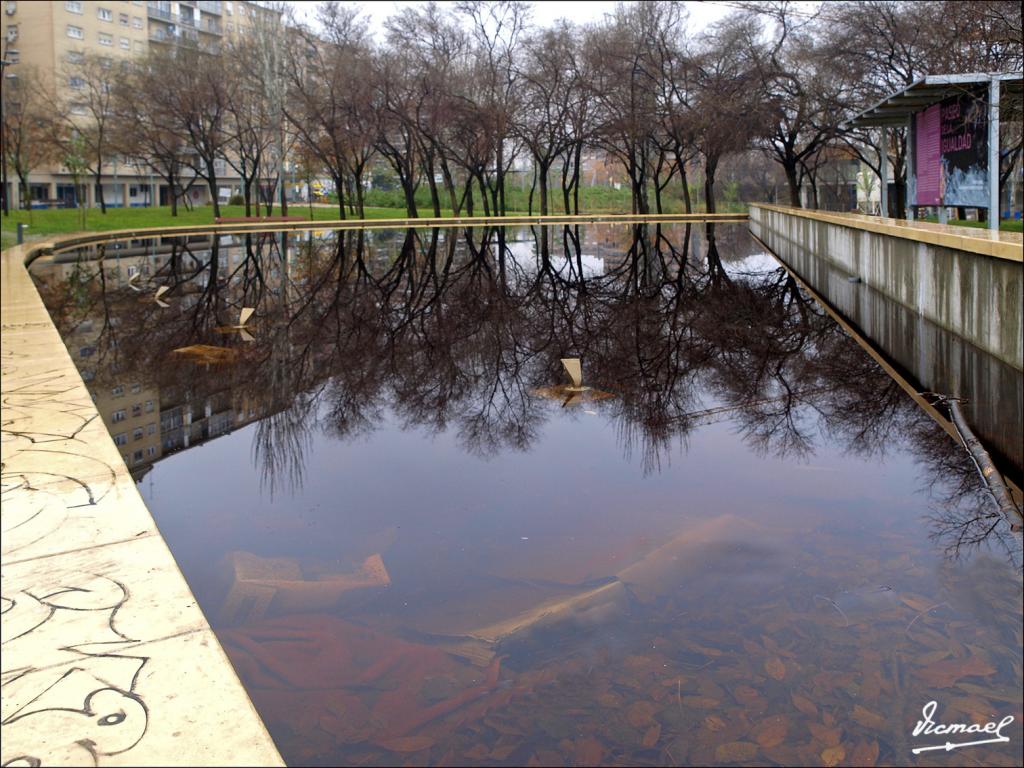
(83, 115)
(194, 104)
(728, 105)
(548, 86)
(26, 144)
(143, 131)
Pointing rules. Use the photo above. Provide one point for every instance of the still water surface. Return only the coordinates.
(746, 544)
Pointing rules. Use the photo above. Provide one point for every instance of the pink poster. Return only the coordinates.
(927, 157)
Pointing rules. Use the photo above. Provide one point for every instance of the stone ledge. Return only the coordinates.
(1000, 245)
(97, 618)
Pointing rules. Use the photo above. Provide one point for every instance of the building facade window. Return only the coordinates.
(75, 32)
(106, 39)
(76, 82)
(117, 391)
(126, 44)
(151, 451)
(79, 109)
(149, 406)
(75, 57)
(104, 14)
(122, 19)
(118, 416)
(74, 6)
(137, 410)
(86, 351)
(121, 438)
(151, 429)
(136, 388)
(136, 22)
(137, 433)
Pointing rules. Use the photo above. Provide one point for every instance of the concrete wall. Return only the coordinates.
(934, 356)
(975, 296)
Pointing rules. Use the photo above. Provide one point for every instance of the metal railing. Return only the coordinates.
(210, 6)
(156, 12)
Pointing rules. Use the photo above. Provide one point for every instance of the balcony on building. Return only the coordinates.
(160, 11)
(208, 6)
(210, 26)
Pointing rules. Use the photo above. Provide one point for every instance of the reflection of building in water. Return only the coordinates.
(607, 243)
(145, 420)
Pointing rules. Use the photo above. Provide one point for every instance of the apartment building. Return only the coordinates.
(53, 37)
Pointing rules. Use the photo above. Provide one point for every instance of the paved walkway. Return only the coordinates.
(106, 658)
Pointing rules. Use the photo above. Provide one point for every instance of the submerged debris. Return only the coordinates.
(207, 354)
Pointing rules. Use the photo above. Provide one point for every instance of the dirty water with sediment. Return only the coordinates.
(738, 541)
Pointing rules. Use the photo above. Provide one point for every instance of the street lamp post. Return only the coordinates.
(3, 133)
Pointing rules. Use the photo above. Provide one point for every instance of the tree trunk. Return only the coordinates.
(483, 194)
(211, 177)
(710, 166)
(360, 193)
(449, 185)
(284, 189)
(499, 177)
(794, 185)
(99, 191)
(687, 203)
(410, 197)
(566, 185)
(543, 179)
(577, 160)
(24, 202)
(171, 179)
(339, 187)
(435, 198)
(533, 186)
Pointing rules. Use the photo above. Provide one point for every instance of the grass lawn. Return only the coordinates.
(42, 223)
(1013, 225)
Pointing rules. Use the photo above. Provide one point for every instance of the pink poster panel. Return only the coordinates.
(927, 157)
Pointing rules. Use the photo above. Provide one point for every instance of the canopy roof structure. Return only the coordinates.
(896, 108)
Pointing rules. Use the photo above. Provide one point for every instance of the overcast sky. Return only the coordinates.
(544, 13)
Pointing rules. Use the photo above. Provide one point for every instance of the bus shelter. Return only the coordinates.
(952, 124)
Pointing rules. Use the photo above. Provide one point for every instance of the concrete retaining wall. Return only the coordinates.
(977, 297)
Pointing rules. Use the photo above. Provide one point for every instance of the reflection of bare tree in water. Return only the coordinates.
(453, 330)
(965, 518)
(280, 444)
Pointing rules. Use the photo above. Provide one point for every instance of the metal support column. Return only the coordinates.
(883, 172)
(993, 154)
(911, 163)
